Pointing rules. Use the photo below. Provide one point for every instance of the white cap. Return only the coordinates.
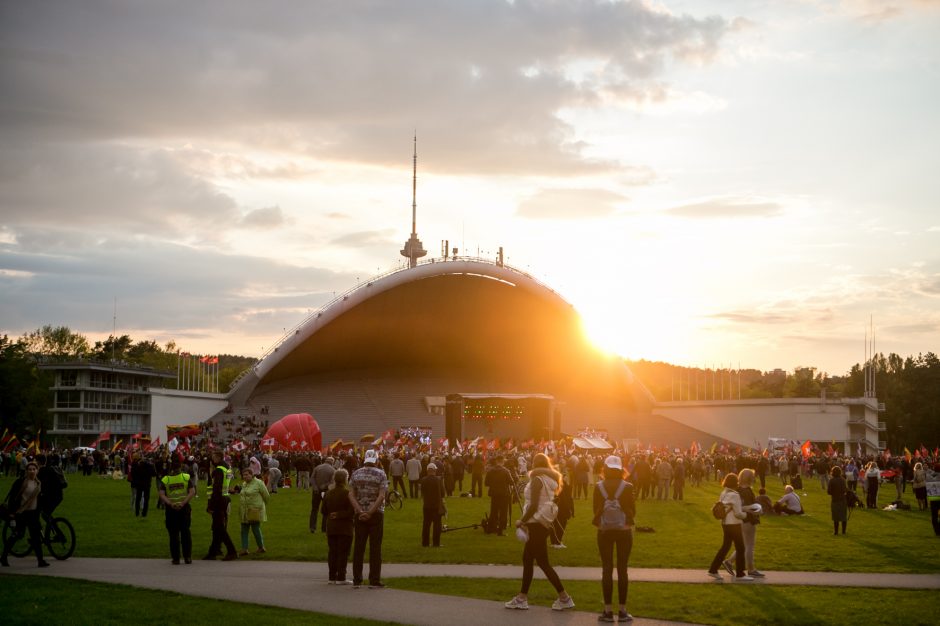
(371, 456)
(613, 462)
(432, 466)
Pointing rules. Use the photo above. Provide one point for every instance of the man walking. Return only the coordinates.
(396, 469)
(218, 507)
(367, 494)
(175, 490)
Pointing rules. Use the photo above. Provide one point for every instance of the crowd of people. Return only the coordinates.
(349, 488)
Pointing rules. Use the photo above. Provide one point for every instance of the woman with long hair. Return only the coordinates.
(544, 483)
(731, 530)
(748, 525)
(614, 510)
(839, 505)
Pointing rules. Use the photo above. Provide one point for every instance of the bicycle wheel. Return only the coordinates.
(18, 540)
(393, 500)
(60, 538)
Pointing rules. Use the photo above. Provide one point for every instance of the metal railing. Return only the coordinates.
(366, 284)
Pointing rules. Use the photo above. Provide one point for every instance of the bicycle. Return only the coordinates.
(393, 500)
(57, 535)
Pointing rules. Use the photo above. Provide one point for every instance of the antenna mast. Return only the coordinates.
(413, 249)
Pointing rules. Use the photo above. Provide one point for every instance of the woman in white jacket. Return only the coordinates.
(731, 530)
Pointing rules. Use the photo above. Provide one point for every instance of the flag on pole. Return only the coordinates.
(238, 445)
(117, 445)
(806, 448)
(172, 444)
(907, 454)
(154, 445)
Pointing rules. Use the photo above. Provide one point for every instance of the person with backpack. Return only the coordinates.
(538, 515)
(614, 510)
(731, 529)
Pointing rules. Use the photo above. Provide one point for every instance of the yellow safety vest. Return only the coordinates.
(177, 487)
(227, 477)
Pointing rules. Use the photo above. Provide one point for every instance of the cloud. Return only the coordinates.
(561, 204)
(776, 314)
(108, 188)
(727, 207)
(341, 82)
(367, 238)
(929, 286)
(267, 218)
(167, 289)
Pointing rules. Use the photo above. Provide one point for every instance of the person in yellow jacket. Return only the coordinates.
(218, 507)
(252, 509)
(176, 489)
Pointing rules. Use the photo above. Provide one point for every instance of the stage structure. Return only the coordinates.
(518, 416)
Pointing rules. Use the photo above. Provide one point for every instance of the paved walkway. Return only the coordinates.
(297, 585)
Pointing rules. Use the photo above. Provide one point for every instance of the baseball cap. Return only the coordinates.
(613, 462)
(371, 456)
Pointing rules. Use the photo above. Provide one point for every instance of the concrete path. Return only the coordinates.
(303, 586)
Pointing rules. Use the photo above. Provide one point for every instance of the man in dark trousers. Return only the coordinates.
(322, 477)
(476, 477)
(367, 490)
(176, 489)
(499, 483)
(142, 475)
(432, 493)
(218, 507)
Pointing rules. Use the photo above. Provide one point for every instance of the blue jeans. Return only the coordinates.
(255, 530)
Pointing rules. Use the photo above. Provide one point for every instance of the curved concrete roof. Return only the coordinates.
(446, 314)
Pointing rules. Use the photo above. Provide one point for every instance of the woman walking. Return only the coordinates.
(748, 525)
(252, 509)
(614, 511)
(339, 514)
(731, 530)
(544, 483)
(23, 502)
(839, 504)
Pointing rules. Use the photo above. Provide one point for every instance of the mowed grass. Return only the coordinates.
(686, 536)
(41, 600)
(725, 604)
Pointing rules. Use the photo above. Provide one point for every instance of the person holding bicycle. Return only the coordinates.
(23, 502)
(53, 483)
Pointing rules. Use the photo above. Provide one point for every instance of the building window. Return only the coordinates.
(68, 399)
(90, 421)
(68, 378)
(66, 421)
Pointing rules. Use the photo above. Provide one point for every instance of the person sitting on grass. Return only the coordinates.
(789, 504)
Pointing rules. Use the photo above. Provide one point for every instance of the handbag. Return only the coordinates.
(253, 514)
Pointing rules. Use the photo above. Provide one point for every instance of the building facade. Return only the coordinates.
(94, 397)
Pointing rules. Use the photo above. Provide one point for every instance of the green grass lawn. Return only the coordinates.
(686, 535)
(715, 604)
(39, 600)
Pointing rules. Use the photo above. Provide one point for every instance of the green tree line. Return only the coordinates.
(25, 398)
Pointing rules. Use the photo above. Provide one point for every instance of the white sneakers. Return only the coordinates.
(743, 578)
(561, 605)
(517, 603)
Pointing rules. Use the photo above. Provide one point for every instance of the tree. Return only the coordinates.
(57, 341)
(24, 390)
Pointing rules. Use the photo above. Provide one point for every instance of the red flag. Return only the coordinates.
(388, 435)
(829, 449)
(154, 445)
(805, 449)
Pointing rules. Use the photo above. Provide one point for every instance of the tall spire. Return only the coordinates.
(413, 249)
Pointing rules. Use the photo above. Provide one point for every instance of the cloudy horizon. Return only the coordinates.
(708, 183)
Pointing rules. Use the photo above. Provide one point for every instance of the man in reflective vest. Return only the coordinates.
(176, 489)
(218, 507)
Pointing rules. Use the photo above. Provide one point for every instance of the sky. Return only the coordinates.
(710, 183)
